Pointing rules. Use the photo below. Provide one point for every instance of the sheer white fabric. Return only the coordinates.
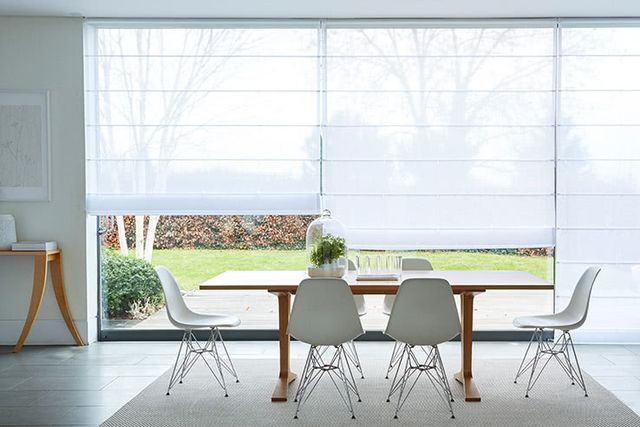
(203, 120)
(598, 210)
(440, 137)
(399, 129)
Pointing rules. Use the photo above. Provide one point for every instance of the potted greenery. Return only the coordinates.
(327, 257)
(326, 247)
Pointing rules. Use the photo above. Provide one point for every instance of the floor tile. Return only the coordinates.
(84, 398)
(93, 359)
(87, 415)
(33, 416)
(10, 382)
(623, 360)
(619, 383)
(130, 383)
(166, 360)
(20, 397)
(69, 370)
(634, 348)
(629, 397)
(613, 371)
(64, 383)
(6, 362)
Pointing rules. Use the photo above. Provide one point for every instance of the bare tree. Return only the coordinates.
(198, 65)
(419, 92)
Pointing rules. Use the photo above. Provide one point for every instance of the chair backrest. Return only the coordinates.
(424, 313)
(324, 313)
(579, 304)
(416, 264)
(177, 310)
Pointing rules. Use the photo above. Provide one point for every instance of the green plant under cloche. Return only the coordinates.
(327, 249)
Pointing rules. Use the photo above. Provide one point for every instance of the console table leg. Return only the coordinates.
(61, 298)
(39, 283)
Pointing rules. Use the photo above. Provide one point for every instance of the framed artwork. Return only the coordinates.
(24, 146)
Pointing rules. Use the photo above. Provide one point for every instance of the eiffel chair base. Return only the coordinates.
(336, 366)
(409, 369)
(191, 350)
(562, 350)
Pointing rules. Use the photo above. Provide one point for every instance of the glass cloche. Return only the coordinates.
(326, 247)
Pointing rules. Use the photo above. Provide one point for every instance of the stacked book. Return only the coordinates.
(34, 246)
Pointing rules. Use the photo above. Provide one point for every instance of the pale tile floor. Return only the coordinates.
(85, 385)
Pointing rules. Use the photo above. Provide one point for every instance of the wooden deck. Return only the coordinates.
(494, 310)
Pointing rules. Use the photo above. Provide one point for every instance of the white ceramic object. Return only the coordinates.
(7, 232)
(328, 271)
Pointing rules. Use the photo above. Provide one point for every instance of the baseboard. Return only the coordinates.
(43, 332)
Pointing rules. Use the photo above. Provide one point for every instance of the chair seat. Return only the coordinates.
(200, 321)
(547, 321)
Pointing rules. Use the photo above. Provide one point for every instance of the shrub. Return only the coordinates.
(129, 283)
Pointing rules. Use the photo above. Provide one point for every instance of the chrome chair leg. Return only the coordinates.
(193, 351)
(174, 372)
(229, 367)
(562, 350)
(395, 356)
(524, 367)
(581, 382)
(337, 368)
(352, 356)
(412, 369)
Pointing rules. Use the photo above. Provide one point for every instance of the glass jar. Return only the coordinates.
(326, 247)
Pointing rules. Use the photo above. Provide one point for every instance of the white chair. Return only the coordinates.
(359, 299)
(183, 318)
(324, 316)
(350, 350)
(424, 315)
(408, 264)
(572, 317)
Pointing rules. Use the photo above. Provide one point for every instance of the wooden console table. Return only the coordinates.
(40, 267)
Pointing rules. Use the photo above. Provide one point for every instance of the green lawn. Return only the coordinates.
(193, 266)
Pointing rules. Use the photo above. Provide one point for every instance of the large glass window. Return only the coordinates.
(433, 140)
(196, 248)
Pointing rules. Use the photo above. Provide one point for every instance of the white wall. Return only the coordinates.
(47, 53)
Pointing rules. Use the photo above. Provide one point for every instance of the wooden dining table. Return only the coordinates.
(467, 284)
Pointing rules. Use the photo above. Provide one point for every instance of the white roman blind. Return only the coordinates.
(205, 118)
(440, 137)
(599, 173)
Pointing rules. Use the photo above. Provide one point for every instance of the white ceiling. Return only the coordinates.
(322, 8)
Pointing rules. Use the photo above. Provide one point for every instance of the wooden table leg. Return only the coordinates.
(39, 283)
(465, 376)
(280, 393)
(58, 287)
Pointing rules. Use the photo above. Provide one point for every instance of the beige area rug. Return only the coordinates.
(201, 402)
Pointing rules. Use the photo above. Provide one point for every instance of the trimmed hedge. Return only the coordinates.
(128, 281)
(218, 232)
(241, 232)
